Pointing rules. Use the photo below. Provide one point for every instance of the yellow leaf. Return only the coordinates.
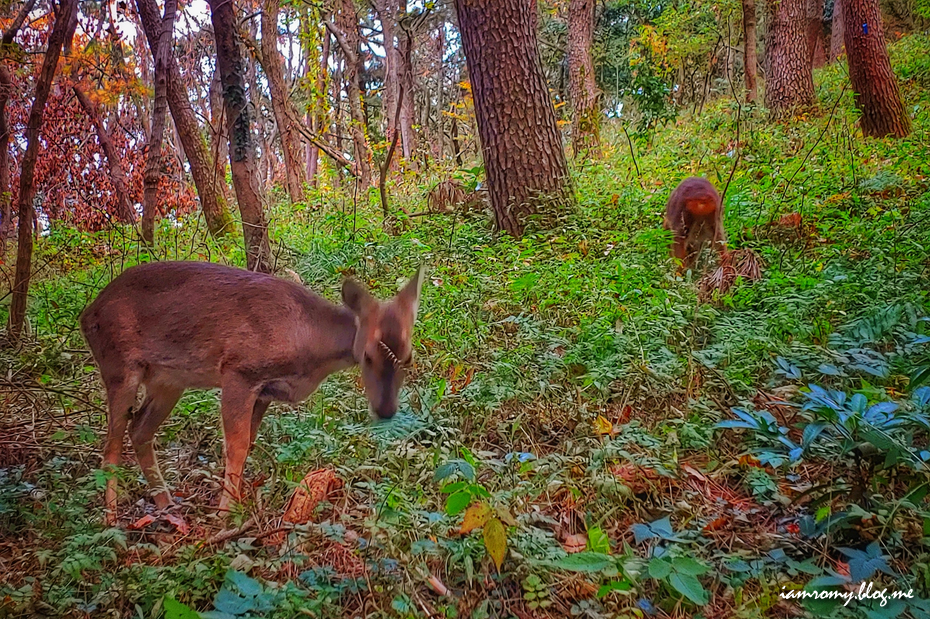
(475, 517)
(603, 426)
(495, 540)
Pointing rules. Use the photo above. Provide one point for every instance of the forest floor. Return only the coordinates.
(565, 402)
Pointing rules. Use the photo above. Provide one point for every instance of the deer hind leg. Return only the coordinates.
(237, 406)
(257, 414)
(121, 396)
(159, 401)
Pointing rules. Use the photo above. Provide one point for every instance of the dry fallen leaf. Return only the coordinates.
(143, 522)
(602, 426)
(179, 523)
(315, 487)
(573, 543)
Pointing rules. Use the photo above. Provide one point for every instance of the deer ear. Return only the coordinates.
(409, 295)
(357, 298)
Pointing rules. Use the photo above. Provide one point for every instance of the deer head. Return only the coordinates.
(383, 346)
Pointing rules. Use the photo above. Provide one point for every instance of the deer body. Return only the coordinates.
(694, 214)
(172, 326)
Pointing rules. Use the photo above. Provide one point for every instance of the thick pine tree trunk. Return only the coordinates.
(585, 96)
(6, 88)
(875, 88)
(750, 56)
(837, 32)
(815, 34)
(62, 31)
(241, 146)
(523, 156)
(159, 111)
(789, 82)
(280, 102)
(124, 208)
(210, 188)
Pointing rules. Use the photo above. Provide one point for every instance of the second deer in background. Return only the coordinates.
(694, 214)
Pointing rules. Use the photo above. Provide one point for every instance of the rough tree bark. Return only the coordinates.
(585, 96)
(875, 88)
(280, 101)
(159, 110)
(6, 88)
(789, 80)
(750, 56)
(524, 161)
(387, 14)
(218, 138)
(62, 31)
(210, 189)
(408, 111)
(345, 30)
(124, 209)
(239, 126)
(837, 31)
(816, 41)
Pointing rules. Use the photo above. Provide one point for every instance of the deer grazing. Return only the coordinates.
(172, 326)
(695, 215)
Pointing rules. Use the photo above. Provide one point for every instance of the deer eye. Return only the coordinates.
(368, 358)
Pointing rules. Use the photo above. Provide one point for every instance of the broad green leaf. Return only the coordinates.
(457, 502)
(249, 587)
(687, 565)
(176, 610)
(689, 586)
(614, 585)
(659, 568)
(598, 541)
(228, 602)
(585, 562)
(495, 540)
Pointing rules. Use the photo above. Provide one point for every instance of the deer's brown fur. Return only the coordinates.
(694, 214)
(172, 326)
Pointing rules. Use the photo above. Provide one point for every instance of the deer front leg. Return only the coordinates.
(236, 407)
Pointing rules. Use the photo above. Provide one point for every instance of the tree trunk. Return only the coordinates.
(62, 31)
(837, 31)
(875, 88)
(789, 82)
(408, 112)
(159, 110)
(347, 35)
(239, 126)
(218, 137)
(210, 188)
(125, 212)
(815, 36)
(750, 57)
(524, 161)
(6, 88)
(585, 96)
(280, 102)
(318, 121)
(387, 14)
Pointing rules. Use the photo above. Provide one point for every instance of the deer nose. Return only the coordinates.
(386, 410)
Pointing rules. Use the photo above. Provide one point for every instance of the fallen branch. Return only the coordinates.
(228, 534)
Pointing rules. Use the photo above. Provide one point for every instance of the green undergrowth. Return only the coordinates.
(569, 390)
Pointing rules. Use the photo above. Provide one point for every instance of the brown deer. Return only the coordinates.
(173, 326)
(695, 215)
